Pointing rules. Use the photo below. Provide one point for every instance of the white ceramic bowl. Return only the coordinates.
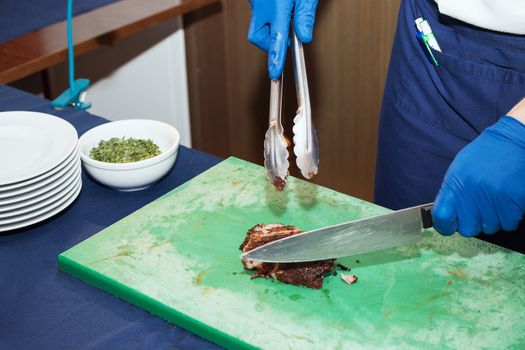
(136, 175)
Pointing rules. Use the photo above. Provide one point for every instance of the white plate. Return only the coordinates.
(73, 172)
(41, 176)
(56, 177)
(32, 143)
(43, 216)
(28, 202)
(40, 203)
(28, 216)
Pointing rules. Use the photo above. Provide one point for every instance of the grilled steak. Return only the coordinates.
(309, 274)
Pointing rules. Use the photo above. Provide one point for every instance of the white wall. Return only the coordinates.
(141, 76)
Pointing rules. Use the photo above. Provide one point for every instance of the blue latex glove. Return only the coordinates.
(270, 26)
(484, 187)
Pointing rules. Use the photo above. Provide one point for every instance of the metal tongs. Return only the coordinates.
(275, 152)
(305, 137)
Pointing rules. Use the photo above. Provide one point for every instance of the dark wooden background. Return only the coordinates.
(347, 63)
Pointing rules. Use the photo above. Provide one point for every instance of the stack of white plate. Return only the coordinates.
(39, 168)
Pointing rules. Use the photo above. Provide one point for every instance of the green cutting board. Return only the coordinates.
(178, 257)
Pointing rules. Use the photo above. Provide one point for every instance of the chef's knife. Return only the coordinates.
(350, 238)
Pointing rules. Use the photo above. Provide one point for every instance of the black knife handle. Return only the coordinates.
(426, 215)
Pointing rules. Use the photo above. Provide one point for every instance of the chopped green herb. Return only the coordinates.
(124, 150)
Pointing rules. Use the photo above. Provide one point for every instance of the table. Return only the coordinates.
(31, 52)
(22, 17)
(41, 307)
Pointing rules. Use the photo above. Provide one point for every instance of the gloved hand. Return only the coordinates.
(270, 26)
(484, 187)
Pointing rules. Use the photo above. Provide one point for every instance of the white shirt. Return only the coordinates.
(506, 16)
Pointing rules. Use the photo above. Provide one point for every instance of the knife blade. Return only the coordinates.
(350, 238)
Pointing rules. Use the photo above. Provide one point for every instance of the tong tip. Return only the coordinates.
(279, 183)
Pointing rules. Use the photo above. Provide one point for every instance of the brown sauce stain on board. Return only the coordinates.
(457, 272)
(199, 277)
(119, 254)
(156, 245)
(437, 297)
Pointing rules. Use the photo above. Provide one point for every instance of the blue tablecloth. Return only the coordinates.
(43, 308)
(18, 17)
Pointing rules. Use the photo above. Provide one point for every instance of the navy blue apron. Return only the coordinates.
(429, 113)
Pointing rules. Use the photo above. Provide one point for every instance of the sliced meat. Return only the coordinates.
(309, 274)
(350, 279)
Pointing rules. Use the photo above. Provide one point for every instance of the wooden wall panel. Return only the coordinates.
(347, 62)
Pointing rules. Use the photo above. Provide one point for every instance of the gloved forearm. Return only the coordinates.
(484, 188)
(270, 27)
